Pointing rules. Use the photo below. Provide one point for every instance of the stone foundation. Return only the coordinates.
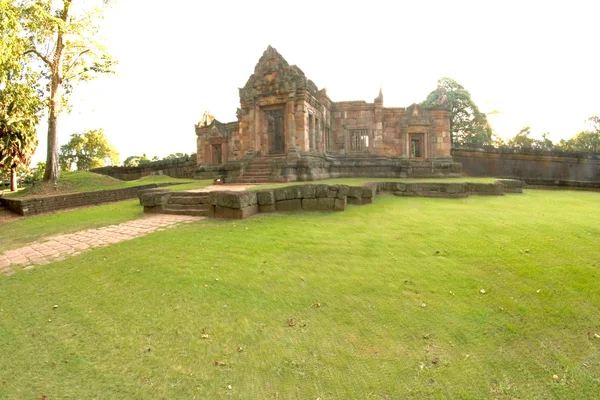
(308, 197)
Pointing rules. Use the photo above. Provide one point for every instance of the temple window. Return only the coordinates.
(359, 140)
(416, 146)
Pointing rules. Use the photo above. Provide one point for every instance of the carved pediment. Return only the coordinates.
(273, 75)
(417, 115)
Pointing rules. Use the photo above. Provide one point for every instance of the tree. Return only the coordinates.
(175, 156)
(522, 139)
(588, 140)
(19, 101)
(63, 42)
(468, 125)
(87, 150)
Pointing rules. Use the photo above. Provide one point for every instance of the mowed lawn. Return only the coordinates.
(406, 298)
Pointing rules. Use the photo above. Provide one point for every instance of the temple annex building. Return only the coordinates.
(287, 130)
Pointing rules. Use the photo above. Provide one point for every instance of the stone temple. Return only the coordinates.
(287, 129)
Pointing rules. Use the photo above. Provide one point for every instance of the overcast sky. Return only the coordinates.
(534, 62)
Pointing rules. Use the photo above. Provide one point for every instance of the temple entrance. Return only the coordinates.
(275, 131)
(416, 146)
(217, 156)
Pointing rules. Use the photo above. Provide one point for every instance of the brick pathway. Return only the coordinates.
(55, 248)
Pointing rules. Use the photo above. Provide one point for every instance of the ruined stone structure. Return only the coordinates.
(287, 129)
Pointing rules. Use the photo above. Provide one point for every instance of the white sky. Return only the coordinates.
(534, 61)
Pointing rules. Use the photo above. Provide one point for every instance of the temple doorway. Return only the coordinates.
(275, 131)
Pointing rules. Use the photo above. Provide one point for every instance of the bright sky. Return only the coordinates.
(535, 62)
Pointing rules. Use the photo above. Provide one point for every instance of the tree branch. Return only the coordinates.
(76, 59)
(40, 55)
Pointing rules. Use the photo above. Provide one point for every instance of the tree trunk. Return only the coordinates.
(52, 167)
(13, 179)
(56, 71)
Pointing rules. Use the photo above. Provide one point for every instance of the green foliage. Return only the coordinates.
(175, 156)
(154, 314)
(588, 141)
(468, 125)
(87, 150)
(19, 102)
(61, 44)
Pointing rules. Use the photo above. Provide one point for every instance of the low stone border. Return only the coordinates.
(43, 204)
(311, 197)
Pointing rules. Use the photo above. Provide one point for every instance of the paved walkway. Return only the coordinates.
(55, 248)
(237, 187)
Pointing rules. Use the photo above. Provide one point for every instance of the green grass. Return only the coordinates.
(30, 229)
(148, 318)
(362, 181)
(84, 181)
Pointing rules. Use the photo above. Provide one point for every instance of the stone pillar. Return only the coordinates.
(291, 126)
(257, 130)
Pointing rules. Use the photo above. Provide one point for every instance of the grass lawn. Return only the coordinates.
(26, 230)
(84, 181)
(382, 301)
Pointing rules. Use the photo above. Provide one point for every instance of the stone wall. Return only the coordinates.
(309, 197)
(533, 167)
(45, 204)
(184, 168)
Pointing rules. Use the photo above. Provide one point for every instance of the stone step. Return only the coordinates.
(192, 212)
(258, 172)
(188, 194)
(199, 199)
(192, 207)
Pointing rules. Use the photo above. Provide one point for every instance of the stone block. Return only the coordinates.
(267, 208)
(288, 193)
(235, 213)
(369, 190)
(265, 197)
(343, 192)
(289, 205)
(332, 191)
(310, 204)
(339, 204)
(357, 201)
(366, 200)
(354, 192)
(308, 191)
(325, 203)
(321, 190)
(147, 200)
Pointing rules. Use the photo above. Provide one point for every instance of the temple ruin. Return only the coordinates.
(287, 129)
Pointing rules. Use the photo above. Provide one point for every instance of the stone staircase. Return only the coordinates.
(259, 170)
(188, 203)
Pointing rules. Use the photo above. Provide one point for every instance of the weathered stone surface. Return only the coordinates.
(308, 191)
(355, 192)
(234, 199)
(267, 208)
(357, 201)
(310, 204)
(321, 190)
(289, 205)
(325, 203)
(340, 204)
(265, 197)
(369, 190)
(147, 200)
(343, 191)
(288, 193)
(332, 191)
(485, 189)
(366, 200)
(235, 213)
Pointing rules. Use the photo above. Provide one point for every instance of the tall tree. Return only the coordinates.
(88, 150)
(588, 140)
(19, 100)
(63, 42)
(468, 125)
